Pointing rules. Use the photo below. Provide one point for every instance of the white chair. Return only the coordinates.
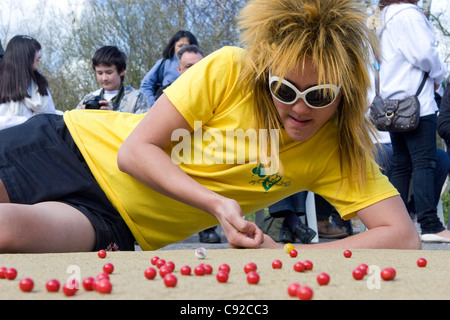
(259, 216)
(311, 216)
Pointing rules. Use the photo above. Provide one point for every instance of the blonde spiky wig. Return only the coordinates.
(280, 34)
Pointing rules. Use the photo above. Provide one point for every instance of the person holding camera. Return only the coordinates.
(109, 64)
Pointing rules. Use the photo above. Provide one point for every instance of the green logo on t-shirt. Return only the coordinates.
(268, 181)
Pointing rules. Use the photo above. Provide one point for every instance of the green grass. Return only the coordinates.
(251, 217)
(445, 205)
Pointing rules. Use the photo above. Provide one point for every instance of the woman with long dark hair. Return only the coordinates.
(165, 71)
(23, 90)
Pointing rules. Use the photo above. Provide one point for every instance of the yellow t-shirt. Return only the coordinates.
(209, 97)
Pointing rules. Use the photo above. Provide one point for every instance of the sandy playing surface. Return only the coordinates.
(411, 282)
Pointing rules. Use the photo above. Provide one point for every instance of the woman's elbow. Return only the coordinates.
(123, 159)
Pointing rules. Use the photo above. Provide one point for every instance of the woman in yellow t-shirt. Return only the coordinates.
(241, 129)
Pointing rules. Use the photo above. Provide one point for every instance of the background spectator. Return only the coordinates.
(165, 71)
(409, 52)
(23, 89)
(443, 121)
(187, 56)
(110, 65)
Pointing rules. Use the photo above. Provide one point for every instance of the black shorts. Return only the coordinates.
(39, 162)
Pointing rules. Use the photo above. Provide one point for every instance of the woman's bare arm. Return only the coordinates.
(142, 156)
(389, 227)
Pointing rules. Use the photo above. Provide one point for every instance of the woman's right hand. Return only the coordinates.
(240, 233)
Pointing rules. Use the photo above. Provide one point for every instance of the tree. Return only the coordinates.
(141, 28)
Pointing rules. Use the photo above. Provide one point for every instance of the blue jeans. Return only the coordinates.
(289, 208)
(294, 203)
(385, 155)
(414, 159)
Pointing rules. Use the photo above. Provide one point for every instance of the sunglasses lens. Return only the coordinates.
(315, 97)
(320, 98)
(283, 93)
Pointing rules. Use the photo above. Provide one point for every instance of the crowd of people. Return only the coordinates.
(403, 63)
(102, 176)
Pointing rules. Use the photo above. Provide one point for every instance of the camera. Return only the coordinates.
(93, 103)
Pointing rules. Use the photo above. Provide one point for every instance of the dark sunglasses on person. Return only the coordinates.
(316, 97)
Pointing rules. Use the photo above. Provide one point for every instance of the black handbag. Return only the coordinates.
(395, 115)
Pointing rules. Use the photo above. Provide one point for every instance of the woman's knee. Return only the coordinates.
(44, 227)
(9, 229)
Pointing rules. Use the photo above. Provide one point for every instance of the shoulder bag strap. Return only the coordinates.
(425, 76)
(377, 69)
(118, 98)
(160, 75)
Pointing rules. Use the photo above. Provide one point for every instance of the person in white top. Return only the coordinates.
(408, 53)
(23, 90)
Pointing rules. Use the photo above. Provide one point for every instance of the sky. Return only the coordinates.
(17, 6)
(13, 13)
(22, 7)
